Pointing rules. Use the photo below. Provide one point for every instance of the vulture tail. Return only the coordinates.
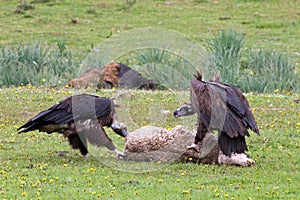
(230, 145)
(27, 127)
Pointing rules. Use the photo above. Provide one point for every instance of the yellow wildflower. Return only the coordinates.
(185, 192)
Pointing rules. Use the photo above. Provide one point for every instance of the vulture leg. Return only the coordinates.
(194, 146)
(119, 154)
(83, 146)
(79, 142)
(201, 132)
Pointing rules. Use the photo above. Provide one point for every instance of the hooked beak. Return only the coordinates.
(185, 110)
(177, 113)
(119, 128)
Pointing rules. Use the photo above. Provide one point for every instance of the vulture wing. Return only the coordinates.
(238, 110)
(97, 136)
(238, 118)
(248, 117)
(77, 107)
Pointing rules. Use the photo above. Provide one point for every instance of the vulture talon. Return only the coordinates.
(250, 162)
(119, 154)
(194, 147)
(86, 157)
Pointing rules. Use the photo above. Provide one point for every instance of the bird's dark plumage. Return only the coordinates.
(223, 108)
(80, 118)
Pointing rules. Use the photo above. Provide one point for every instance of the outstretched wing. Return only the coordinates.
(73, 108)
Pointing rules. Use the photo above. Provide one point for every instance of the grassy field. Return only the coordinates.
(32, 169)
(272, 23)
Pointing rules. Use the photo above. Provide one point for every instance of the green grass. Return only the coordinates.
(36, 64)
(263, 25)
(267, 70)
(225, 55)
(260, 25)
(31, 169)
(262, 70)
(272, 23)
(170, 66)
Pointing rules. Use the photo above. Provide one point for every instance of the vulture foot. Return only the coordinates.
(86, 157)
(194, 147)
(235, 159)
(119, 154)
(250, 162)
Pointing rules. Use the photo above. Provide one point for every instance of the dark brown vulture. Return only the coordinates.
(223, 108)
(80, 118)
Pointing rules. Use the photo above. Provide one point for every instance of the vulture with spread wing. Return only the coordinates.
(80, 118)
(223, 108)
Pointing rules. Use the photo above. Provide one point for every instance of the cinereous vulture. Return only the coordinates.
(80, 118)
(223, 108)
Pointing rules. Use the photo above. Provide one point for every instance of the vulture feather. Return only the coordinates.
(223, 108)
(80, 118)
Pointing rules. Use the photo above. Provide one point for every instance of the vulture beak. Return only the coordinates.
(184, 110)
(177, 113)
(119, 128)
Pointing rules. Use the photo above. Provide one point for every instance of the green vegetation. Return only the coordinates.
(32, 169)
(262, 70)
(267, 71)
(231, 31)
(37, 65)
(170, 70)
(80, 27)
(200, 20)
(226, 53)
(254, 44)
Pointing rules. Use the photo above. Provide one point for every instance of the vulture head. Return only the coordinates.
(119, 128)
(185, 110)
